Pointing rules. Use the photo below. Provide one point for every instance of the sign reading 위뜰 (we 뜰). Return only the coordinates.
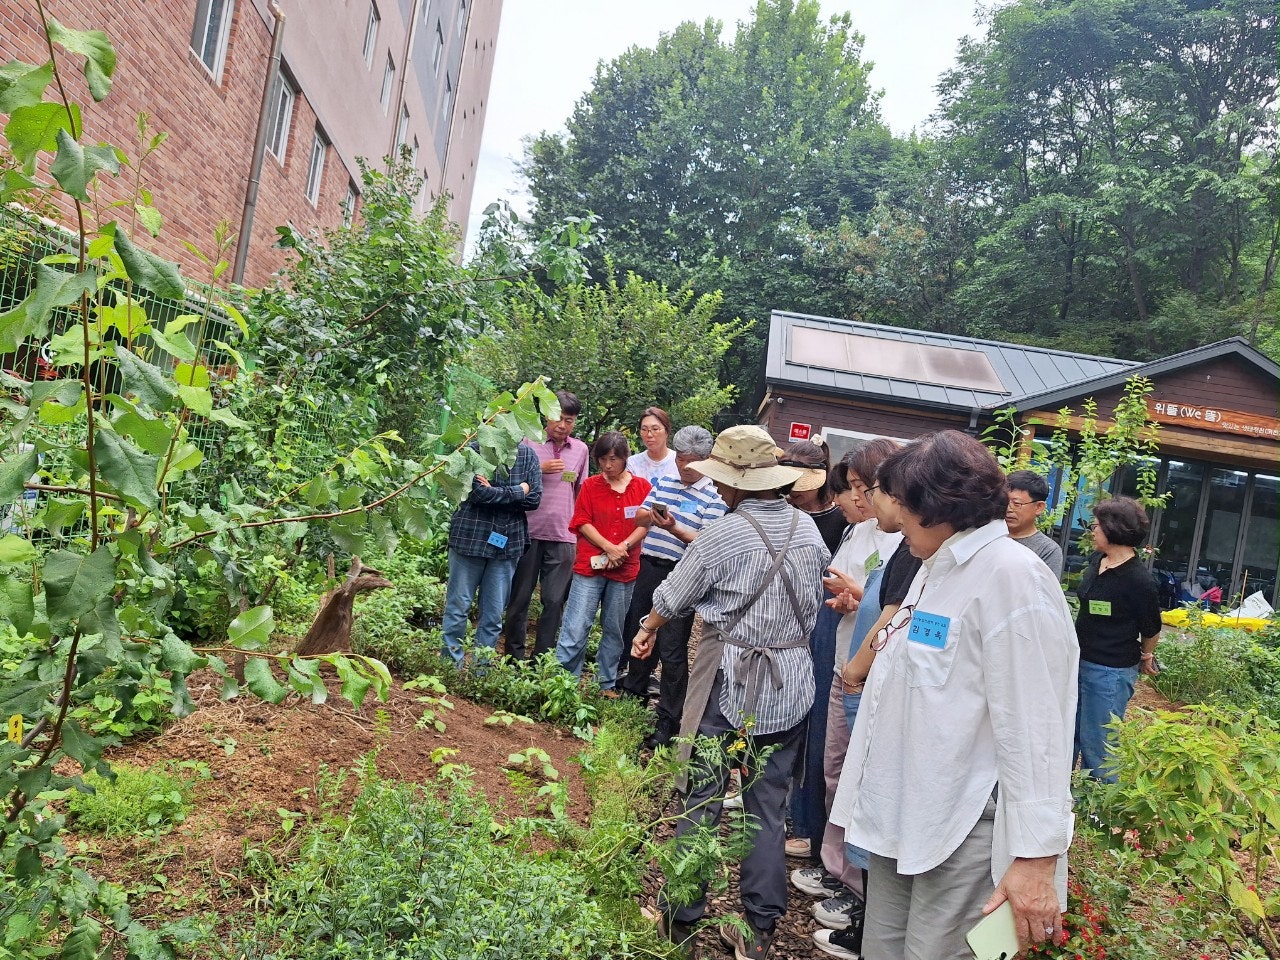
(799, 431)
(1214, 418)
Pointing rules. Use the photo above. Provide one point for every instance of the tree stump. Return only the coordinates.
(331, 630)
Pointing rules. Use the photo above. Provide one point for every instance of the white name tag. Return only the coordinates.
(630, 512)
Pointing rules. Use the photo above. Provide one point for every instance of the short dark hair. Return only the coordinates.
(946, 477)
(662, 416)
(569, 404)
(862, 462)
(1123, 520)
(610, 443)
(1034, 485)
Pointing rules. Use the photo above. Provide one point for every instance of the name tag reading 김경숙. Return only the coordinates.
(929, 629)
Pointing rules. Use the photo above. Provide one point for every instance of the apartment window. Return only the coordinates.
(402, 128)
(388, 81)
(210, 32)
(426, 11)
(437, 52)
(315, 173)
(371, 35)
(413, 154)
(281, 115)
(448, 98)
(462, 17)
(349, 204)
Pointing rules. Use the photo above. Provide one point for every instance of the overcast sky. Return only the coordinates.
(548, 51)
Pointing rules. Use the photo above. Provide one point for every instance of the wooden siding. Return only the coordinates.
(1225, 382)
(786, 407)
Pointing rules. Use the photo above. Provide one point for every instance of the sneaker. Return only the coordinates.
(732, 800)
(754, 947)
(841, 911)
(798, 847)
(846, 944)
(816, 882)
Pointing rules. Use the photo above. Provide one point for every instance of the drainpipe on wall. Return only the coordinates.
(393, 153)
(259, 147)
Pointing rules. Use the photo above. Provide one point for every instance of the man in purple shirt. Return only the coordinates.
(549, 557)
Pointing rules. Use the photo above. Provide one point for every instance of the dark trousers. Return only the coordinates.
(808, 799)
(551, 562)
(671, 650)
(763, 875)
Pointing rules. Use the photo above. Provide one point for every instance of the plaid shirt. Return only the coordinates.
(498, 508)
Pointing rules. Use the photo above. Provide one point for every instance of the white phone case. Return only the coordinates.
(994, 937)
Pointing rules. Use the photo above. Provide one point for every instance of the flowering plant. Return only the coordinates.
(1085, 926)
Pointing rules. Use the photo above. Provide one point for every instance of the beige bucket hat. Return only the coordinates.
(745, 458)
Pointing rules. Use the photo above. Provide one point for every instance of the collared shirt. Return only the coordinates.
(613, 514)
(979, 690)
(491, 523)
(864, 548)
(559, 490)
(1118, 607)
(693, 506)
(717, 577)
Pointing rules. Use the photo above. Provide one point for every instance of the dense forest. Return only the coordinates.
(1100, 176)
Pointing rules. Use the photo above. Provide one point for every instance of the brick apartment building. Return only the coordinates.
(357, 78)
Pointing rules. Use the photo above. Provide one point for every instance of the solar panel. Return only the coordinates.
(896, 359)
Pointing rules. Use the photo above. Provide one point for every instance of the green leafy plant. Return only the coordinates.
(434, 705)
(1200, 791)
(131, 800)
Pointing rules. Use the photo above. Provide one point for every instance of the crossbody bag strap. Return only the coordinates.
(779, 557)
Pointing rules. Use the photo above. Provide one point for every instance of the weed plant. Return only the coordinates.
(400, 625)
(133, 800)
(1222, 665)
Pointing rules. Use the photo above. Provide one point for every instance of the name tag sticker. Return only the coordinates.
(1100, 608)
(630, 512)
(873, 561)
(929, 629)
(497, 540)
(569, 476)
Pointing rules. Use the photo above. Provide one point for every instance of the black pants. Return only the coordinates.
(763, 876)
(671, 650)
(551, 562)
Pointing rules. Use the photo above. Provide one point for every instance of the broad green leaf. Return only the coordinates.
(130, 471)
(413, 519)
(102, 620)
(34, 128)
(150, 272)
(350, 496)
(305, 678)
(67, 349)
(150, 218)
(176, 345)
(251, 630)
(15, 182)
(127, 315)
(236, 317)
(153, 436)
(57, 414)
(186, 457)
(17, 605)
(180, 323)
(144, 381)
(317, 491)
(54, 288)
(262, 682)
(27, 697)
(75, 166)
(196, 399)
(16, 471)
(177, 655)
(231, 351)
(348, 532)
(27, 865)
(355, 684)
(23, 84)
(75, 582)
(16, 549)
(196, 375)
(384, 534)
(224, 416)
(58, 514)
(84, 941)
(95, 47)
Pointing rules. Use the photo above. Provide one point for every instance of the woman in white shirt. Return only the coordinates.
(656, 459)
(958, 774)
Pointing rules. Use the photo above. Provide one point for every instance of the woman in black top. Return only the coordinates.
(1118, 627)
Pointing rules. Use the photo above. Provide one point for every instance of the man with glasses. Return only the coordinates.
(1028, 493)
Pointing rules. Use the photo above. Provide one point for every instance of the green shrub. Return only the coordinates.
(133, 800)
(1222, 665)
(400, 625)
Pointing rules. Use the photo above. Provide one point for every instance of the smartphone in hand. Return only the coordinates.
(660, 511)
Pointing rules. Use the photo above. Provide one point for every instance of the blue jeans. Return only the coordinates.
(1104, 695)
(467, 575)
(808, 806)
(586, 596)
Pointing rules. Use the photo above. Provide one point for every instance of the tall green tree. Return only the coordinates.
(1125, 152)
(708, 161)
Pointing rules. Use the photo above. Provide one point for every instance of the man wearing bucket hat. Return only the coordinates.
(755, 577)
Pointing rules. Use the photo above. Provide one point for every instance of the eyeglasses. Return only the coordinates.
(899, 620)
(1092, 525)
(873, 488)
(657, 429)
(1023, 503)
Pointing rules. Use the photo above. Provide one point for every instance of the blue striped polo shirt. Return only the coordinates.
(693, 506)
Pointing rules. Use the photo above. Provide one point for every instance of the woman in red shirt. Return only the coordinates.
(607, 562)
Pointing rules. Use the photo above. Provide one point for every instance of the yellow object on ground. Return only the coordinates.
(1179, 617)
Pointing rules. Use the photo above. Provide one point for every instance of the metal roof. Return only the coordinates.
(1022, 370)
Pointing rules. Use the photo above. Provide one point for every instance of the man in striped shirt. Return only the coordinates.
(755, 576)
(675, 510)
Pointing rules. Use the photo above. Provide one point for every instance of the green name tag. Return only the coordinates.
(569, 476)
(1100, 608)
(873, 561)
